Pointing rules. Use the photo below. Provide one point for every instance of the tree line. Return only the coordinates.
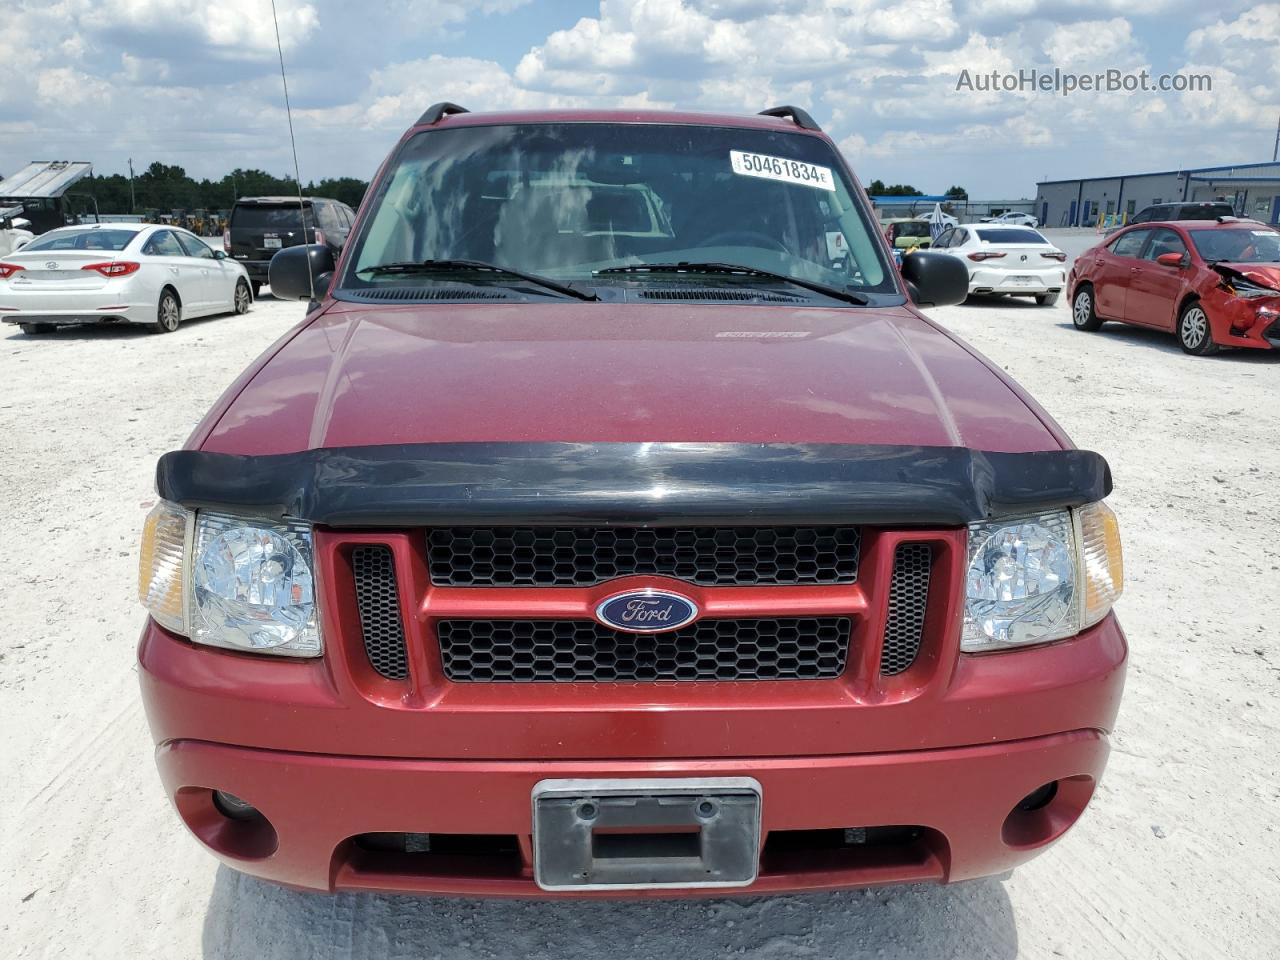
(165, 188)
(877, 188)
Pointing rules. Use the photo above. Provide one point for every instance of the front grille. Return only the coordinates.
(908, 597)
(378, 600)
(541, 651)
(586, 556)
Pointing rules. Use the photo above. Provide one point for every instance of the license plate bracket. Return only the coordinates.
(643, 834)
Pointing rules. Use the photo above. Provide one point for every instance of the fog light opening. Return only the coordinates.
(229, 825)
(232, 807)
(1047, 812)
(1039, 797)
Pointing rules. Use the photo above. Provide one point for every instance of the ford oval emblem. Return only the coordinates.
(646, 611)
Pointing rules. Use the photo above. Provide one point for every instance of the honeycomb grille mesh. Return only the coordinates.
(378, 600)
(908, 597)
(586, 556)
(542, 651)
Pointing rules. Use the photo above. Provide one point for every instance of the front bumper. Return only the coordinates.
(1237, 322)
(317, 805)
(327, 759)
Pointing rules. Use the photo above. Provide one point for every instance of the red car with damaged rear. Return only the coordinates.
(615, 524)
(1211, 283)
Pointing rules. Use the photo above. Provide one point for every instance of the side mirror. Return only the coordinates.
(219, 254)
(935, 279)
(1170, 259)
(295, 272)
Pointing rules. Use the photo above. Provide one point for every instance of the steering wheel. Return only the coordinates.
(744, 238)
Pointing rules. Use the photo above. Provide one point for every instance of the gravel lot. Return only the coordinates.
(1178, 856)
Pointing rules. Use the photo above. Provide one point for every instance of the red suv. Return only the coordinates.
(614, 522)
(1213, 283)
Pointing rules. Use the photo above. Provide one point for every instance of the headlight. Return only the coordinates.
(1040, 578)
(242, 584)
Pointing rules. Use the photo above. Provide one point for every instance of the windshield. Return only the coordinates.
(91, 238)
(1238, 246)
(566, 200)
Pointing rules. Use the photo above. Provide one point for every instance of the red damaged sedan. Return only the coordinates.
(1213, 284)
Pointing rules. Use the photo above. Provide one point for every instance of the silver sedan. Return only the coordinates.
(139, 273)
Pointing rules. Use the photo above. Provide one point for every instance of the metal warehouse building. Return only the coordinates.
(1253, 188)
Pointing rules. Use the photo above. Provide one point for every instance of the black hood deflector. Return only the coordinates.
(634, 483)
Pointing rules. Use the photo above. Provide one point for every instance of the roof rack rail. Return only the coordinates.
(801, 117)
(437, 111)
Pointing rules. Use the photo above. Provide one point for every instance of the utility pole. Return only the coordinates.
(1275, 151)
(132, 204)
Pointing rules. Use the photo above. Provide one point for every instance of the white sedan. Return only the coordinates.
(1007, 260)
(1014, 219)
(119, 273)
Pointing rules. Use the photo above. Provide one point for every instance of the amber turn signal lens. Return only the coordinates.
(160, 564)
(1103, 560)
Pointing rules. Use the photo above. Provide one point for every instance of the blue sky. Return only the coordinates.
(198, 85)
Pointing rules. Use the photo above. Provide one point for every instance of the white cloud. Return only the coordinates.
(71, 88)
(1247, 44)
(398, 94)
(240, 27)
(913, 20)
(1093, 43)
(1014, 11)
(193, 84)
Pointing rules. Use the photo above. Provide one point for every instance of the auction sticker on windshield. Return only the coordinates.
(781, 168)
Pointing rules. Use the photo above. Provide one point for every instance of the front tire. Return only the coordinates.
(31, 329)
(243, 300)
(1046, 299)
(1083, 316)
(168, 313)
(1194, 334)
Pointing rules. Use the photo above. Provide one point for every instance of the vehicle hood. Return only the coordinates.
(598, 373)
(1263, 274)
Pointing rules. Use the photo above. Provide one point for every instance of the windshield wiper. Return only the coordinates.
(478, 266)
(736, 269)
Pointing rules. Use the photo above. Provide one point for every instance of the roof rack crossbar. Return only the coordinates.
(437, 111)
(800, 116)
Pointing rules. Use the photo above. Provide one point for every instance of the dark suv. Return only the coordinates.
(259, 226)
(1183, 211)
